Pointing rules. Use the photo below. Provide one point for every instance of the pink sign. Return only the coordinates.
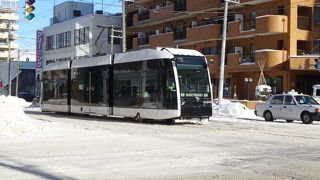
(39, 49)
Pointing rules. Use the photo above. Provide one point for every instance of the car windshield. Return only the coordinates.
(305, 99)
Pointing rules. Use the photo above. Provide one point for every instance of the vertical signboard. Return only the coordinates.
(39, 49)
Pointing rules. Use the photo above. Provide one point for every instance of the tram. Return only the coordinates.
(158, 84)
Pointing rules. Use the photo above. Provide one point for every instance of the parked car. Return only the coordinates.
(316, 92)
(291, 106)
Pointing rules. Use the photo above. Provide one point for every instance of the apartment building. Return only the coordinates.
(75, 32)
(275, 39)
(8, 24)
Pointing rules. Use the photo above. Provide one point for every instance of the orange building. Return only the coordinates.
(281, 37)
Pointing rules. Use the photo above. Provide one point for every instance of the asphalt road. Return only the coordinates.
(79, 147)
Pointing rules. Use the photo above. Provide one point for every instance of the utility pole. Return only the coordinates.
(124, 47)
(223, 49)
(18, 72)
(9, 59)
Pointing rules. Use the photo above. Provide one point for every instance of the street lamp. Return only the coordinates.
(248, 81)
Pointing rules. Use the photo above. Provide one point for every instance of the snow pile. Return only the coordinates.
(13, 120)
(263, 92)
(232, 109)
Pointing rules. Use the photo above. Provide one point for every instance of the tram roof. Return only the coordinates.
(57, 66)
(183, 52)
(93, 61)
(142, 55)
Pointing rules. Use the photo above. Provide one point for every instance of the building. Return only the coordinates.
(74, 33)
(280, 38)
(27, 79)
(8, 25)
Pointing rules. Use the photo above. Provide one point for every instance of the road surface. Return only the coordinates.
(79, 147)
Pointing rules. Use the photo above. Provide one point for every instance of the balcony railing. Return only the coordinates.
(143, 16)
(248, 25)
(248, 58)
(143, 41)
(180, 35)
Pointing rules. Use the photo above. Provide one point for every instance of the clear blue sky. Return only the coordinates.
(43, 13)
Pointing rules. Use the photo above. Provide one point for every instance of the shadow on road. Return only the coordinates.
(30, 169)
(100, 118)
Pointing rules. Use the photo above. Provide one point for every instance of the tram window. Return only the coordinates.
(90, 86)
(126, 85)
(55, 86)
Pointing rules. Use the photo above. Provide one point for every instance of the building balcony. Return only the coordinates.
(164, 39)
(156, 40)
(272, 58)
(179, 35)
(144, 15)
(264, 25)
(14, 27)
(11, 17)
(5, 36)
(202, 5)
(305, 62)
(162, 13)
(143, 41)
(153, 16)
(6, 46)
(5, 54)
(204, 33)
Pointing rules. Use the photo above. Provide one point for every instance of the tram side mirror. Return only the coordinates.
(179, 60)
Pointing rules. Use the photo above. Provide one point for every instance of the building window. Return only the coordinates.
(81, 36)
(3, 41)
(317, 14)
(63, 39)
(316, 47)
(281, 10)
(50, 42)
(209, 51)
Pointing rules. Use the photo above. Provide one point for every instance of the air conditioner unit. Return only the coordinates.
(238, 50)
(156, 7)
(238, 17)
(168, 29)
(141, 34)
(194, 23)
(156, 31)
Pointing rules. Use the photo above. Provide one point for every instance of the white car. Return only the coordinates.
(291, 106)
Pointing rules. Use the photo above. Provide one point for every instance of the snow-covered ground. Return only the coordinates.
(234, 144)
(13, 120)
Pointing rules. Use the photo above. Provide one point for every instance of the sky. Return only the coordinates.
(43, 13)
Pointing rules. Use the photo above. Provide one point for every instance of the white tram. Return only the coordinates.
(161, 84)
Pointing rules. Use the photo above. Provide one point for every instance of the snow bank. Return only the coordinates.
(232, 109)
(13, 120)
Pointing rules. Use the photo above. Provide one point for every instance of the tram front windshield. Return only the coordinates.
(193, 77)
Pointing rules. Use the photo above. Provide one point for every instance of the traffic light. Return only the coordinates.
(29, 8)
